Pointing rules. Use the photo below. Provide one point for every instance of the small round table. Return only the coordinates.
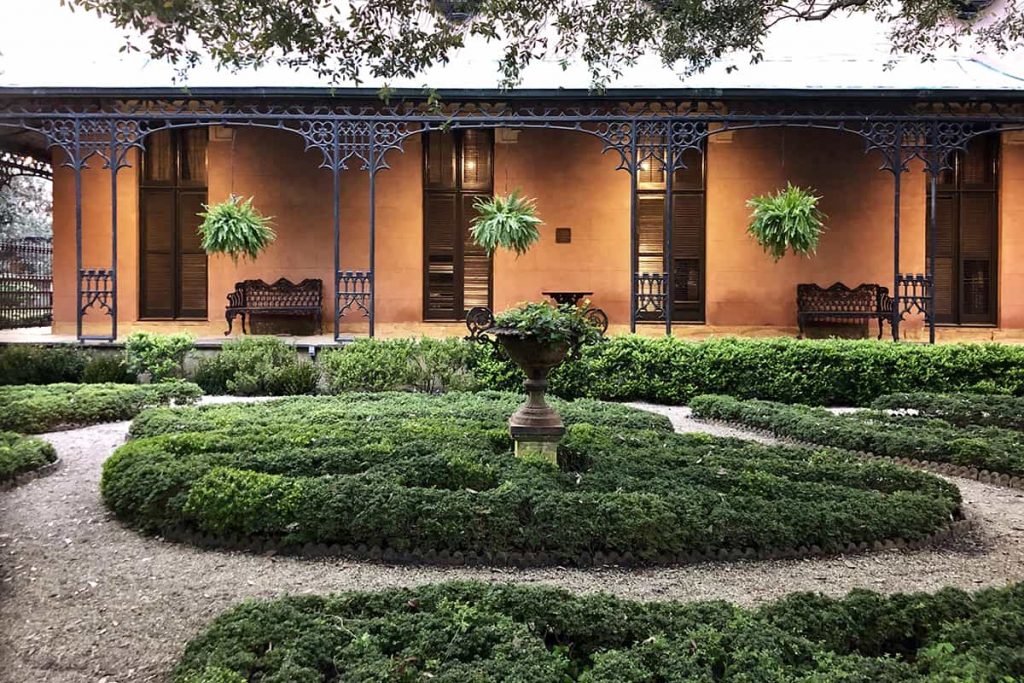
(567, 298)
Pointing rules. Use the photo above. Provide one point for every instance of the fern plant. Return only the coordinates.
(236, 228)
(508, 222)
(789, 219)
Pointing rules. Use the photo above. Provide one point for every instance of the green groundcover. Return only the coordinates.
(435, 474)
(457, 632)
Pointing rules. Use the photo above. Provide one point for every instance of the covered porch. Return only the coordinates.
(644, 204)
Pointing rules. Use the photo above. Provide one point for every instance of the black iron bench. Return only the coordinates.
(256, 297)
(840, 303)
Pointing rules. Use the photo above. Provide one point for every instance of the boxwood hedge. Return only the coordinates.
(878, 432)
(30, 364)
(19, 454)
(672, 371)
(963, 410)
(32, 409)
(418, 474)
(466, 631)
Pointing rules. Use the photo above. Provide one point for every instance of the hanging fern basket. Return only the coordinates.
(788, 220)
(509, 222)
(236, 228)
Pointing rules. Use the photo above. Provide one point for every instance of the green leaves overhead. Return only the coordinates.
(236, 228)
(789, 219)
(390, 39)
(507, 222)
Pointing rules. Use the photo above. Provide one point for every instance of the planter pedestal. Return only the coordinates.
(535, 427)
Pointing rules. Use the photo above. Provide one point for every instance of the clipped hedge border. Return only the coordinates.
(956, 529)
(962, 410)
(981, 475)
(30, 475)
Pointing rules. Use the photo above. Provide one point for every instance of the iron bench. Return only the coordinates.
(839, 302)
(256, 297)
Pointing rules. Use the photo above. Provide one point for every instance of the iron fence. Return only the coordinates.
(26, 282)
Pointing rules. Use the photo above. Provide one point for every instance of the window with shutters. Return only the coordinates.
(688, 232)
(458, 168)
(966, 235)
(173, 189)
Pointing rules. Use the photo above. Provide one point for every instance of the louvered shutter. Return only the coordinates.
(945, 257)
(191, 257)
(158, 164)
(440, 216)
(977, 251)
(439, 161)
(476, 263)
(688, 254)
(477, 160)
(651, 233)
(691, 177)
(157, 238)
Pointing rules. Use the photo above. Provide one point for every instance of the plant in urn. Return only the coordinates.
(538, 337)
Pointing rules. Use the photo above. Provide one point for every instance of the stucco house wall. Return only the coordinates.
(575, 186)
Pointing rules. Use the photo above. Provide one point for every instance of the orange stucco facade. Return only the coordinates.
(575, 186)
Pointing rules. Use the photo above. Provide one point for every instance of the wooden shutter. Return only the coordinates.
(157, 241)
(650, 226)
(476, 263)
(977, 256)
(477, 152)
(191, 257)
(966, 235)
(439, 161)
(158, 164)
(688, 254)
(458, 170)
(440, 218)
(946, 290)
(173, 267)
(691, 177)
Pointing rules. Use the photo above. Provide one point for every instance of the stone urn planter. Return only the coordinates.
(536, 427)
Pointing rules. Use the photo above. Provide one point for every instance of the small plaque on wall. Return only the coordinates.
(563, 235)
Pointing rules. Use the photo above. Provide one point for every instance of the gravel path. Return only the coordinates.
(83, 599)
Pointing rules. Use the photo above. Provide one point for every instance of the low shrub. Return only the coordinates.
(990, 448)
(107, 368)
(672, 371)
(828, 372)
(962, 410)
(20, 454)
(24, 364)
(474, 631)
(408, 471)
(161, 356)
(257, 366)
(33, 409)
(426, 365)
(28, 364)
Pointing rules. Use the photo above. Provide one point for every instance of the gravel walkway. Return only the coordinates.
(83, 599)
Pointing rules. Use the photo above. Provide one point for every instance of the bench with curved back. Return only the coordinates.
(256, 297)
(841, 303)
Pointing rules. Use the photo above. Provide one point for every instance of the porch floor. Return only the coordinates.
(45, 336)
(945, 335)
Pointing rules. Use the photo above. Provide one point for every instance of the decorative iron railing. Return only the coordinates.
(651, 293)
(915, 294)
(354, 290)
(96, 289)
(26, 282)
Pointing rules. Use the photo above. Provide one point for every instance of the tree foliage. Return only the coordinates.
(26, 208)
(352, 40)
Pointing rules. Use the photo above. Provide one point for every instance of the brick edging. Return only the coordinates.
(386, 555)
(29, 475)
(948, 468)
